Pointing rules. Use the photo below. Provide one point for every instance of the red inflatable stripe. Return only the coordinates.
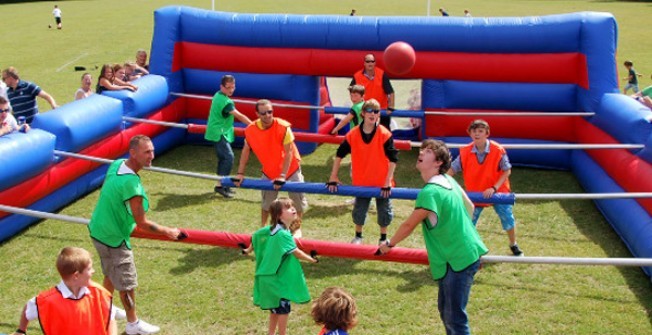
(560, 68)
(631, 172)
(32, 190)
(323, 248)
(552, 128)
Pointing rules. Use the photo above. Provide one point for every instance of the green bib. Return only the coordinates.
(453, 240)
(112, 221)
(220, 119)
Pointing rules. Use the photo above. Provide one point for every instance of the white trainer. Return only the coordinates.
(141, 327)
(120, 314)
(356, 240)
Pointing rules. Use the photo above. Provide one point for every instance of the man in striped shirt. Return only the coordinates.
(22, 95)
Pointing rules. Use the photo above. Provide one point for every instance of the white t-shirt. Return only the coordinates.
(56, 12)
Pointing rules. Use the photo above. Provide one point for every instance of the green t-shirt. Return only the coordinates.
(220, 119)
(278, 272)
(356, 109)
(647, 92)
(112, 221)
(453, 239)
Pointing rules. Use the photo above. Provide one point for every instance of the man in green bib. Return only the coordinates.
(121, 207)
(453, 244)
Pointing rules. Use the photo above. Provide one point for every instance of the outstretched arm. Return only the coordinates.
(136, 204)
(48, 98)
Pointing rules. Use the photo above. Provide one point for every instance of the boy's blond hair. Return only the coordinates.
(357, 89)
(478, 123)
(335, 309)
(72, 260)
(371, 104)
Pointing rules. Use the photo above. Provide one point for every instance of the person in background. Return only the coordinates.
(22, 95)
(108, 82)
(133, 71)
(8, 123)
(352, 12)
(376, 86)
(354, 118)
(85, 90)
(141, 59)
(443, 11)
(644, 96)
(77, 305)
(57, 16)
(467, 13)
(632, 77)
(335, 310)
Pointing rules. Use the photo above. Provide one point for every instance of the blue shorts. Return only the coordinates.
(634, 87)
(283, 308)
(504, 212)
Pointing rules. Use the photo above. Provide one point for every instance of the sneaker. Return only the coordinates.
(120, 314)
(223, 192)
(516, 250)
(356, 240)
(230, 191)
(141, 327)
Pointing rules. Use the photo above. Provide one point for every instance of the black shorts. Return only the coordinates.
(283, 308)
(58, 19)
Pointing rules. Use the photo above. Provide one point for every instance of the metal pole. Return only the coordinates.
(568, 146)
(160, 123)
(204, 97)
(485, 259)
(582, 196)
(509, 113)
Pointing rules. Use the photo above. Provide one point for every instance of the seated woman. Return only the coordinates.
(133, 71)
(108, 82)
(85, 90)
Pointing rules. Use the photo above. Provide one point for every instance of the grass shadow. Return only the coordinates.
(206, 258)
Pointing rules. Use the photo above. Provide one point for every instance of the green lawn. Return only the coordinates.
(205, 290)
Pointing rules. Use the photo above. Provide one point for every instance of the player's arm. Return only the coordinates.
(244, 158)
(405, 229)
(137, 210)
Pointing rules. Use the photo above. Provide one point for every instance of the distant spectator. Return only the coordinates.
(133, 71)
(443, 11)
(467, 13)
(22, 95)
(353, 12)
(632, 77)
(141, 59)
(376, 86)
(85, 90)
(3, 90)
(107, 81)
(57, 16)
(8, 123)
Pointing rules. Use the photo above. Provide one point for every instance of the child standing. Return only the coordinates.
(373, 161)
(83, 304)
(356, 92)
(632, 78)
(279, 278)
(336, 311)
(486, 168)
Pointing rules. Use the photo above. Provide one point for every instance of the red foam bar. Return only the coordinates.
(323, 248)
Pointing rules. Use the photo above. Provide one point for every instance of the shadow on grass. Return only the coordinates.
(207, 258)
(591, 224)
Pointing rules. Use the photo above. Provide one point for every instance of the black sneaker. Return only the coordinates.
(516, 250)
(223, 192)
(230, 191)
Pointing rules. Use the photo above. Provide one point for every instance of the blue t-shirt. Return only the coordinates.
(23, 99)
(337, 332)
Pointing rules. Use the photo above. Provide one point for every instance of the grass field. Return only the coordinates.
(205, 290)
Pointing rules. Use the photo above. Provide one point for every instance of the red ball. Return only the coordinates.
(399, 58)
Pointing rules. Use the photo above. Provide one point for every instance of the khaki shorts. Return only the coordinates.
(118, 265)
(299, 199)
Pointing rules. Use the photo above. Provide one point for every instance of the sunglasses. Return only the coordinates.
(369, 61)
(269, 112)
(6, 110)
(369, 110)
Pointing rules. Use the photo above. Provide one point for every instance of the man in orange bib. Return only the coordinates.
(272, 141)
(77, 305)
(486, 168)
(377, 86)
(373, 161)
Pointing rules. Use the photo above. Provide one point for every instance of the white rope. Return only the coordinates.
(485, 259)
(249, 102)
(566, 146)
(510, 113)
